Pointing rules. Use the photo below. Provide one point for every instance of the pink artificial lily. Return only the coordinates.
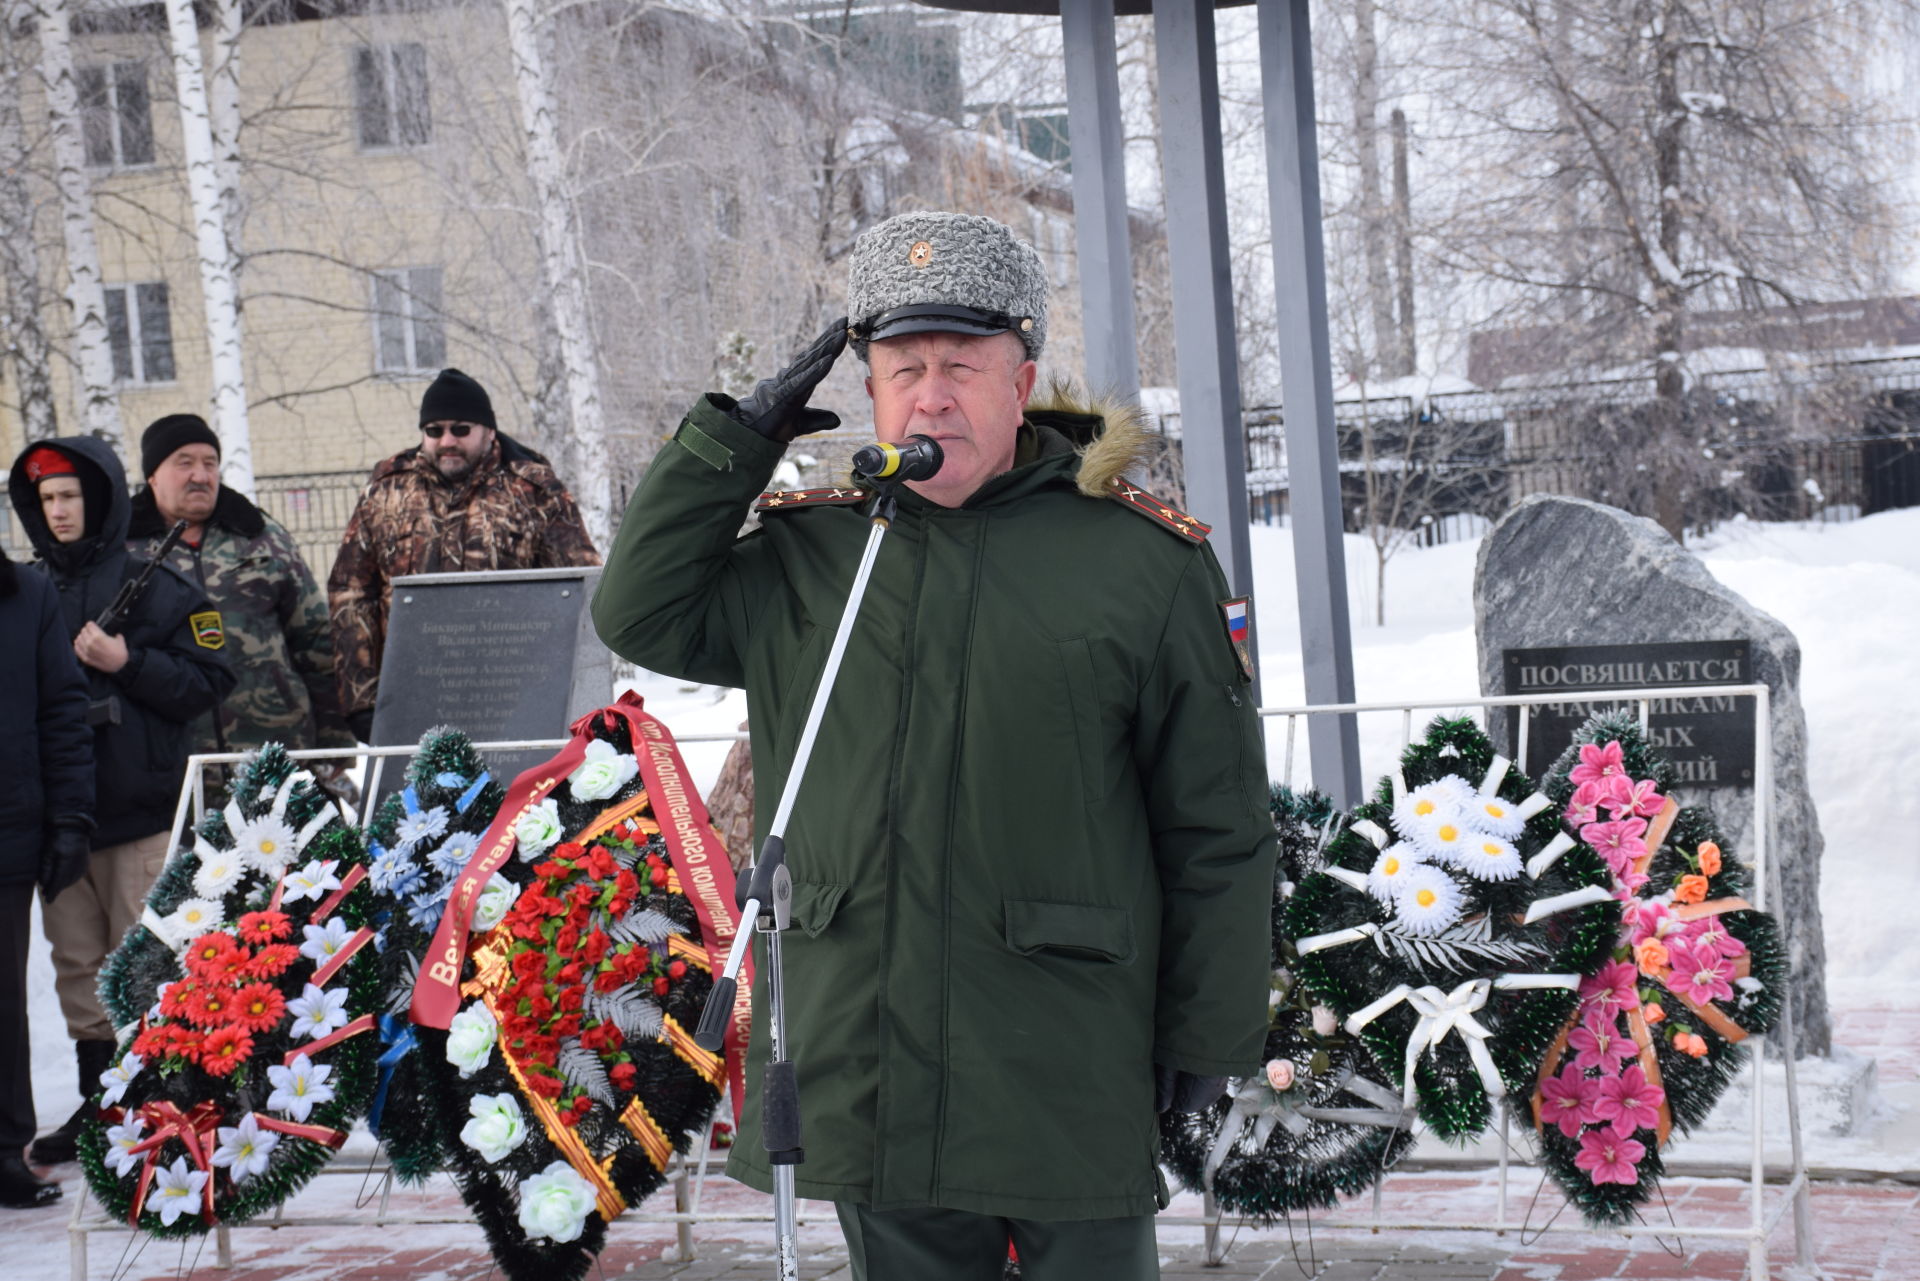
(1566, 1100)
(1609, 1158)
(1598, 763)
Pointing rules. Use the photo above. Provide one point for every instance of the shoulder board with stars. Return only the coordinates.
(781, 499)
(1163, 514)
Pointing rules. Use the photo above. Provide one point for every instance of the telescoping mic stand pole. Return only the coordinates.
(769, 886)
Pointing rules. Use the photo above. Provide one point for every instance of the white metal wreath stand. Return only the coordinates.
(688, 1175)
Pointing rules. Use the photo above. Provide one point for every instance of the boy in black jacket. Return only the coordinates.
(162, 668)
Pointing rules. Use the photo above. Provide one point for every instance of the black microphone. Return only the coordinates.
(916, 458)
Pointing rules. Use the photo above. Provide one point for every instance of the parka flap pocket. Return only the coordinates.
(1070, 929)
(814, 903)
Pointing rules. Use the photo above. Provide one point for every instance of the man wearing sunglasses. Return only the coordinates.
(467, 497)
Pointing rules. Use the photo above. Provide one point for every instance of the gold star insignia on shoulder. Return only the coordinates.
(1161, 513)
(786, 499)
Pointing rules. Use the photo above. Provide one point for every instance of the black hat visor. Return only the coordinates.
(928, 318)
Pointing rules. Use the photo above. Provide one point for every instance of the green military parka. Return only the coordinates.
(1032, 852)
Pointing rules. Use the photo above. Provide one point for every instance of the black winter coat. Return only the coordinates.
(46, 755)
(174, 671)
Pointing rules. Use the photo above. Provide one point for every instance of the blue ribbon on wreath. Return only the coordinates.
(399, 1039)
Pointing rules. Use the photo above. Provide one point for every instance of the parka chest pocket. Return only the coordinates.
(1083, 930)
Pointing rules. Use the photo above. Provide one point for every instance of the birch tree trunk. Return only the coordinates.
(562, 266)
(25, 336)
(217, 284)
(97, 399)
(1373, 221)
(223, 92)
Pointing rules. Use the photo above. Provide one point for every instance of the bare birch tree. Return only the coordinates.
(562, 265)
(97, 400)
(25, 334)
(218, 285)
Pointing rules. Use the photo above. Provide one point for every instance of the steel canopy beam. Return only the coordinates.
(1306, 381)
(1100, 198)
(1212, 437)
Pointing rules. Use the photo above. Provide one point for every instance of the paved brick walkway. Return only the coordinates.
(1863, 1231)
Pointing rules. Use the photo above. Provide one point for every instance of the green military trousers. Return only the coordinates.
(953, 1245)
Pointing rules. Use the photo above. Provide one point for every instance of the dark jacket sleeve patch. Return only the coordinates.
(1236, 614)
(208, 631)
(1161, 513)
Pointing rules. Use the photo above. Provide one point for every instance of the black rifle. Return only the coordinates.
(114, 616)
(106, 711)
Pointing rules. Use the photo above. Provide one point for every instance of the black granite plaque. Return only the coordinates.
(498, 656)
(1709, 739)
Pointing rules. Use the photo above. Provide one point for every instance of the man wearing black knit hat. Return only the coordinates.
(467, 497)
(250, 567)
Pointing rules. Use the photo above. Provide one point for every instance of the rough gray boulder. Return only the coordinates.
(1561, 571)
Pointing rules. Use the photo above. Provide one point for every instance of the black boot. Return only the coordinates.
(21, 1188)
(93, 1057)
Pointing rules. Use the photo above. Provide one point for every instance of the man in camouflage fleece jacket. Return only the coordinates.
(278, 641)
(467, 497)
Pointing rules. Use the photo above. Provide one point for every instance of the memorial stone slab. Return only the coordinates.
(499, 655)
(1562, 573)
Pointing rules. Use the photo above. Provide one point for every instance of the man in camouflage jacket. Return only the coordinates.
(278, 641)
(467, 497)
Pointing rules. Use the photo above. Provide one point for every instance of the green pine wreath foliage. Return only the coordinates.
(418, 843)
(216, 989)
(591, 926)
(1693, 1063)
(1484, 937)
(1286, 1150)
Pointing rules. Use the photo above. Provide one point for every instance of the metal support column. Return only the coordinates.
(1212, 438)
(1100, 197)
(1306, 387)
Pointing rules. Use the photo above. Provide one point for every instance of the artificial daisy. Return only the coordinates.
(1497, 815)
(1431, 803)
(267, 843)
(190, 920)
(1390, 870)
(1428, 902)
(421, 825)
(218, 873)
(388, 867)
(1488, 858)
(1446, 840)
(454, 853)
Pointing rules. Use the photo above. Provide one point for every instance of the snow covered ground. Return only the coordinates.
(1851, 592)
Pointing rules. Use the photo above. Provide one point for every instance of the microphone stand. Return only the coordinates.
(769, 903)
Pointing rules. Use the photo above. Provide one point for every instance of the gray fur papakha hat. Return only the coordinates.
(945, 273)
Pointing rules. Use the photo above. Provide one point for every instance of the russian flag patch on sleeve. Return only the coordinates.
(1234, 612)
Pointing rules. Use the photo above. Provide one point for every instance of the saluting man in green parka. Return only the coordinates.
(1032, 859)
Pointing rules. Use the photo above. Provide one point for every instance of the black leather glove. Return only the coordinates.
(777, 408)
(63, 859)
(1176, 1091)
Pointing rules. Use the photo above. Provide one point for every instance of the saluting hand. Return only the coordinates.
(98, 650)
(777, 407)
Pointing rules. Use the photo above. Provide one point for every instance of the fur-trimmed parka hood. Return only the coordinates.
(1111, 435)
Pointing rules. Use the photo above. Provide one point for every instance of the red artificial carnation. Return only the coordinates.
(529, 965)
(677, 970)
(569, 850)
(593, 949)
(659, 876)
(271, 961)
(661, 987)
(572, 999)
(547, 1087)
(210, 951)
(541, 1007)
(583, 895)
(551, 870)
(259, 1007)
(626, 885)
(571, 974)
(623, 1075)
(600, 864)
(567, 941)
(549, 905)
(265, 927)
(567, 1025)
(608, 981)
(224, 1050)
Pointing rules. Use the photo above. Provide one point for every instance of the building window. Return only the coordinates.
(408, 333)
(116, 114)
(390, 99)
(140, 332)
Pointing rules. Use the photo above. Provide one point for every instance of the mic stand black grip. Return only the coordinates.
(769, 901)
